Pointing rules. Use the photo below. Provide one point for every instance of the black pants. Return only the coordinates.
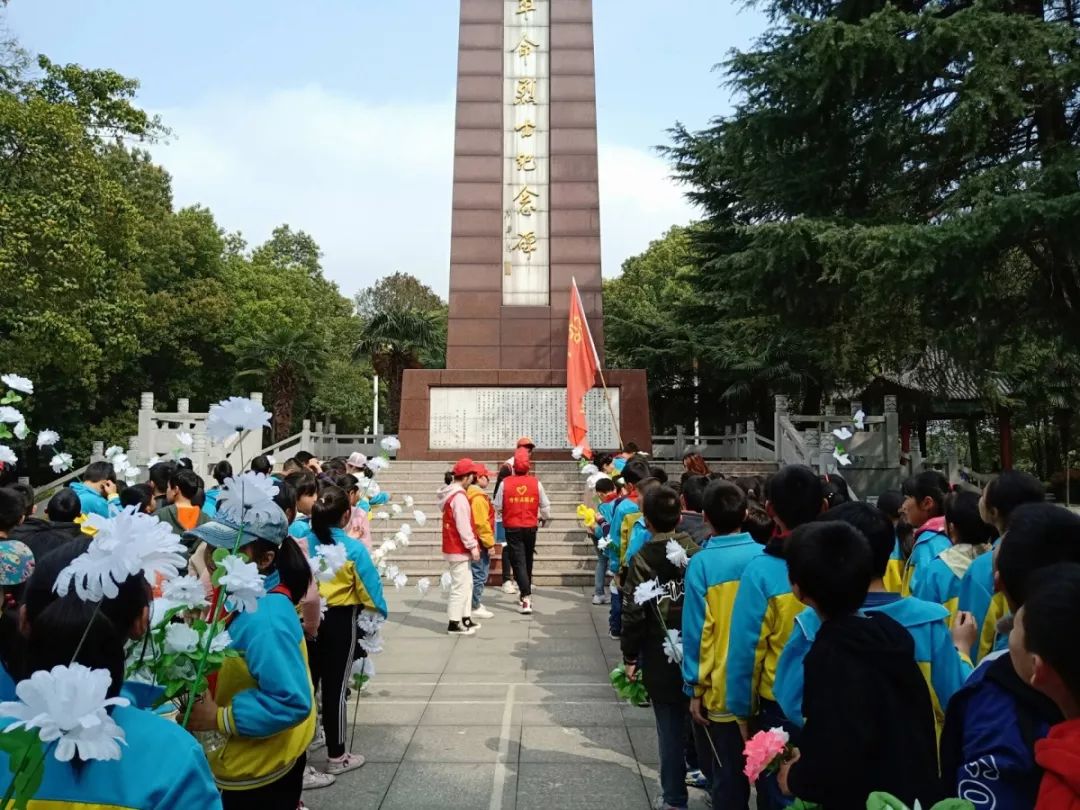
(335, 650)
(507, 564)
(728, 785)
(521, 543)
(284, 794)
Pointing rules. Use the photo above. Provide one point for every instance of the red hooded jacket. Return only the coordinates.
(1058, 754)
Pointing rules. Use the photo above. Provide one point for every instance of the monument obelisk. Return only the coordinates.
(526, 221)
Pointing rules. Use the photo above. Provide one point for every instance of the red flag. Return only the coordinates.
(582, 363)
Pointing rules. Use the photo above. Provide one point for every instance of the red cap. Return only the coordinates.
(481, 470)
(527, 443)
(463, 467)
(521, 460)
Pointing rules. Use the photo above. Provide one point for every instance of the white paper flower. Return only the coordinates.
(323, 605)
(11, 416)
(154, 461)
(327, 561)
(21, 431)
(17, 383)
(395, 509)
(381, 515)
(185, 438)
(248, 498)
(68, 704)
(676, 554)
(113, 451)
(47, 438)
(378, 463)
(408, 501)
(362, 668)
(648, 591)
(61, 462)
(389, 546)
(370, 622)
(446, 581)
(603, 543)
(235, 415)
(406, 529)
(423, 585)
(402, 540)
(380, 566)
(673, 647)
(400, 581)
(590, 469)
(186, 591)
(419, 517)
(372, 489)
(779, 732)
(842, 458)
(842, 433)
(220, 642)
(371, 643)
(390, 444)
(392, 572)
(271, 460)
(243, 582)
(7, 456)
(179, 638)
(130, 543)
(578, 452)
(860, 419)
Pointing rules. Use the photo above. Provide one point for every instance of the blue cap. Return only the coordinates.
(270, 525)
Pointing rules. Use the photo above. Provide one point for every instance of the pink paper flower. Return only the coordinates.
(762, 750)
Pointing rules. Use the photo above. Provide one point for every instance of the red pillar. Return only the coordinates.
(1005, 434)
(905, 437)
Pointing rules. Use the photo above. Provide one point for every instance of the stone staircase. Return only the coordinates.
(564, 555)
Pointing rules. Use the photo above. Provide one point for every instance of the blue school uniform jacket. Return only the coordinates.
(357, 582)
(604, 512)
(712, 583)
(978, 598)
(639, 536)
(928, 544)
(209, 507)
(940, 580)
(944, 669)
(161, 766)
(761, 621)
(91, 501)
(623, 515)
(894, 573)
(300, 528)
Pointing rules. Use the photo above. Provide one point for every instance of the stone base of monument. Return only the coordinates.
(447, 414)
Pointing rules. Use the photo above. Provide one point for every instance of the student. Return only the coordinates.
(141, 496)
(1001, 497)
(54, 627)
(524, 507)
(16, 566)
(764, 612)
(221, 473)
(992, 724)
(483, 518)
(970, 538)
(308, 461)
(694, 463)
(712, 583)
(356, 587)
(459, 546)
(692, 521)
(263, 701)
(291, 466)
(1046, 654)
(261, 465)
(42, 536)
(869, 725)
(625, 512)
(943, 657)
(159, 475)
(889, 503)
(606, 492)
(924, 508)
(359, 527)
(97, 489)
(307, 492)
(181, 514)
(644, 634)
(836, 489)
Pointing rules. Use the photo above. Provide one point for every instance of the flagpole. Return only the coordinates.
(599, 366)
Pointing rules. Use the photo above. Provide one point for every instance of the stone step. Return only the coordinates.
(432, 550)
(545, 564)
(559, 527)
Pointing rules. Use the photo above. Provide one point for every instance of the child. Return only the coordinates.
(645, 635)
(764, 612)
(307, 492)
(356, 587)
(42, 536)
(159, 474)
(1046, 655)
(639, 532)
(221, 473)
(712, 583)
(625, 512)
(993, 723)
(691, 495)
(869, 724)
(181, 514)
(16, 565)
(924, 508)
(97, 489)
(263, 701)
(970, 538)
(459, 546)
(483, 518)
(943, 657)
(359, 527)
(606, 493)
(889, 503)
(1001, 497)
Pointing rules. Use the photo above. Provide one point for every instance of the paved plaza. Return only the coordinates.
(519, 717)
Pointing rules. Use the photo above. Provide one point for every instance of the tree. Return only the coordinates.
(405, 291)
(394, 340)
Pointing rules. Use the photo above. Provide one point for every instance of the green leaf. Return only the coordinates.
(25, 760)
(10, 398)
(220, 554)
(5, 433)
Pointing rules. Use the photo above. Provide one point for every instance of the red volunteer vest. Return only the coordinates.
(521, 502)
(451, 537)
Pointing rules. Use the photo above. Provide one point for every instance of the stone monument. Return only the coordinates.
(526, 222)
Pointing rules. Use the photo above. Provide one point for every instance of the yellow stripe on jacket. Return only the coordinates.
(720, 600)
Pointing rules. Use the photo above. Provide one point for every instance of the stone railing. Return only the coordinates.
(740, 442)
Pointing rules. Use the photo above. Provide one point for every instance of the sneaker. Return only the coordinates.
(347, 762)
(320, 739)
(696, 779)
(525, 606)
(482, 613)
(509, 586)
(471, 624)
(660, 804)
(456, 629)
(613, 635)
(313, 779)
(600, 599)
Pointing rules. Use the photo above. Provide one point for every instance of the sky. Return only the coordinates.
(337, 116)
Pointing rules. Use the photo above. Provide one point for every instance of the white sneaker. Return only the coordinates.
(525, 606)
(482, 613)
(349, 762)
(509, 586)
(313, 779)
(600, 599)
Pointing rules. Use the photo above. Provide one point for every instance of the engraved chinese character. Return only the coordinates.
(526, 6)
(526, 130)
(526, 47)
(526, 163)
(526, 92)
(526, 243)
(526, 201)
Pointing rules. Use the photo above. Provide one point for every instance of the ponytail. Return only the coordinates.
(291, 564)
(448, 478)
(328, 512)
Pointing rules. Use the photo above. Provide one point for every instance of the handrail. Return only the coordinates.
(46, 491)
(296, 437)
(790, 435)
(839, 418)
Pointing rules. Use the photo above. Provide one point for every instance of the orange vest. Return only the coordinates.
(451, 537)
(521, 502)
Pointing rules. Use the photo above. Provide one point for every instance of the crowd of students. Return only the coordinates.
(302, 640)
(926, 646)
